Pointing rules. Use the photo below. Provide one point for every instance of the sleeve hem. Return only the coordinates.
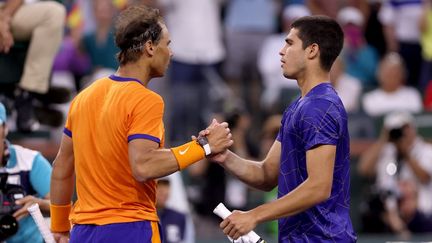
(67, 132)
(143, 136)
(311, 146)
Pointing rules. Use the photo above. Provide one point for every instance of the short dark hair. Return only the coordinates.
(323, 31)
(133, 28)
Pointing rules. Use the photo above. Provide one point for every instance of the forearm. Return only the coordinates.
(305, 196)
(10, 7)
(61, 189)
(248, 171)
(62, 179)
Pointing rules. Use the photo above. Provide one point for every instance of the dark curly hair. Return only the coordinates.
(134, 27)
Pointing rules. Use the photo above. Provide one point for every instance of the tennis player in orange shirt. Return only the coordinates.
(112, 147)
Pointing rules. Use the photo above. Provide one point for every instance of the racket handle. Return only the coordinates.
(40, 222)
(223, 212)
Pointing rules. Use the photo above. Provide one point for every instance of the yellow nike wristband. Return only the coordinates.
(188, 154)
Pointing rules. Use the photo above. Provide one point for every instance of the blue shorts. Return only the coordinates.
(133, 232)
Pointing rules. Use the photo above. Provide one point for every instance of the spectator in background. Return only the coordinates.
(373, 30)
(348, 88)
(400, 19)
(269, 64)
(72, 63)
(29, 170)
(174, 223)
(426, 43)
(414, 220)
(359, 57)
(331, 8)
(392, 94)
(399, 155)
(42, 24)
(247, 24)
(196, 33)
(99, 44)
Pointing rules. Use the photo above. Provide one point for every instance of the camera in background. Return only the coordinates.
(8, 194)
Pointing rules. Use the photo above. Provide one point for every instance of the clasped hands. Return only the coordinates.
(219, 137)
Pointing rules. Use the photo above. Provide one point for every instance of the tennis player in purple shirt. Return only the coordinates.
(309, 161)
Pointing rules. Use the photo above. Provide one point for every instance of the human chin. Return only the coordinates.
(287, 75)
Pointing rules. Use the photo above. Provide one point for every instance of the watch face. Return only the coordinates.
(203, 141)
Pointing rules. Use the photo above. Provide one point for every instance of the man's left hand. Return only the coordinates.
(238, 223)
(25, 202)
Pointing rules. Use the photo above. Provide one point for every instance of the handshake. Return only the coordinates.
(215, 139)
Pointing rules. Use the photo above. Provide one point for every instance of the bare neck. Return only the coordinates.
(312, 78)
(136, 71)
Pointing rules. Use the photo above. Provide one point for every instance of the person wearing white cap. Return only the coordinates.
(32, 172)
(400, 154)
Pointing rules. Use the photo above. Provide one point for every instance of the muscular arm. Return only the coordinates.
(62, 178)
(261, 175)
(315, 189)
(148, 161)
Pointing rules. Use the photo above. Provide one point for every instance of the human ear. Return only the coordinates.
(149, 48)
(313, 50)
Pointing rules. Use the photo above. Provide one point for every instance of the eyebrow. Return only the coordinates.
(288, 40)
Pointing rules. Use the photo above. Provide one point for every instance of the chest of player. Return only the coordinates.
(291, 130)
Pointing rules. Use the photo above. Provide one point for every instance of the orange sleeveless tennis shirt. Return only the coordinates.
(102, 119)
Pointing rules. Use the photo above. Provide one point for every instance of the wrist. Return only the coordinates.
(188, 154)
(60, 217)
(203, 142)
(259, 214)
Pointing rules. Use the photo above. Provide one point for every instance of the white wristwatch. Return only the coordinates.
(205, 145)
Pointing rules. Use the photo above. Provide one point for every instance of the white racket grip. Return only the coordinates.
(40, 222)
(223, 212)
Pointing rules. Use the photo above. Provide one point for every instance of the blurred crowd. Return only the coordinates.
(226, 65)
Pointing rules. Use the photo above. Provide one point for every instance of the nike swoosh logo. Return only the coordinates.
(182, 152)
